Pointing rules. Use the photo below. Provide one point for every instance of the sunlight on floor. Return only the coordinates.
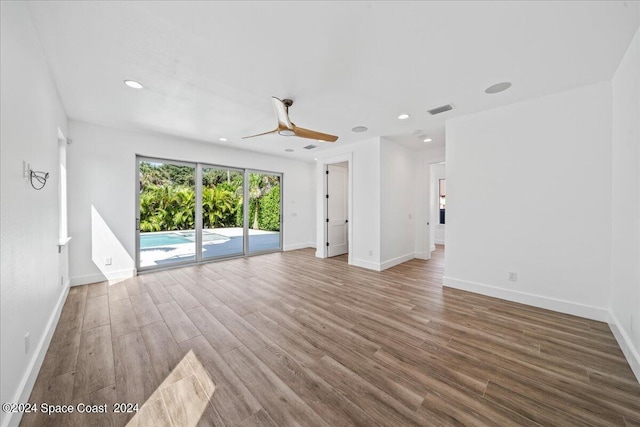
(181, 399)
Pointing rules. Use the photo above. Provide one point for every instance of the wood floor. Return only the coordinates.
(289, 339)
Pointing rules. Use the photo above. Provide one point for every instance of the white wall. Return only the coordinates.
(397, 204)
(437, 172)
(530, 192)
(625, 242)
(31, 293)
(101, 174)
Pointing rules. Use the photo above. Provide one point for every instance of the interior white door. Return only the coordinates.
(337, 224)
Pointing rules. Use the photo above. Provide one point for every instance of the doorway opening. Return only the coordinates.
(437, 203)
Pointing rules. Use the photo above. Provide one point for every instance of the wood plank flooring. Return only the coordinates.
(289, 339)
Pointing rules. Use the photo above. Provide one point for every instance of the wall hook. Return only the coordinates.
(39, 177)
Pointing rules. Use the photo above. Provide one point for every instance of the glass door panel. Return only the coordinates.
(264, 219)
(166, 213)
(222, 216)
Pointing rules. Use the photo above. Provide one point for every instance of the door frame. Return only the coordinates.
(246, 211)
(138, 159)
(321, 206)
(198, 166)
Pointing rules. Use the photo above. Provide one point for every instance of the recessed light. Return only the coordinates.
(289, 150)
(133, 84)
(360, 129)
(427, 140)
(223, 139)
(498, 87)
(321, 140)
(403, 116)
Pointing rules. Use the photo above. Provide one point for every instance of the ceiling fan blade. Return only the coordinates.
(260, 134)
(281, 113)
(312, 134)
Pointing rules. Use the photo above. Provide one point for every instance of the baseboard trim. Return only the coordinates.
(366, 264)
(33, 369)
(298, 246)
(433, 248)
(395, 261)
(567, 307)
(101, 277)
(423, 255)
(630, 353)
(438, 242)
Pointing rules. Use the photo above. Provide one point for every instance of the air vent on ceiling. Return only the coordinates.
(309, 147)
(442, 109)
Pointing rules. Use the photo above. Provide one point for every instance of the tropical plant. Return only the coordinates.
(167, 198)
(218, 207)
(166, 208)
(259, 186)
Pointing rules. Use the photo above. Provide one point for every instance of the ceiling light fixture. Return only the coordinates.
(498, 87)
(133, 84)
(289, 150)
(428, 140)
(223, 139)
(403, 116)
(360, 129)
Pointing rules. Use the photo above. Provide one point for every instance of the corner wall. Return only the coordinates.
(31, 292)
(388, 203)
(101, 174)
(529, 191)
(397, 204)
(625, 204)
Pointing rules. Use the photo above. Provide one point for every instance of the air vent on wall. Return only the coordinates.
(309, 147)
(442, 109)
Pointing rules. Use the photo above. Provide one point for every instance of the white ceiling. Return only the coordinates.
(210, 68)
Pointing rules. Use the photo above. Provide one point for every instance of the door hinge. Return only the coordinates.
(327, 196)
(327, 172)
(327, 219)
(137, 224)
(327, 244)
(346, 220)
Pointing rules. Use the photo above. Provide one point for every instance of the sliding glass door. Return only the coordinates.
(193, 212)
(166, 213)
(264, 212)
(222, 219)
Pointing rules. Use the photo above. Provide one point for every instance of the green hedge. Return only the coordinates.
(269, 211)
(169, 208)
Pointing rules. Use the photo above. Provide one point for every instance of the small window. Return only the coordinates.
(442, 190)
(62, 191)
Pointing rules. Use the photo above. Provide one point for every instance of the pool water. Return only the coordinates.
(164, 239)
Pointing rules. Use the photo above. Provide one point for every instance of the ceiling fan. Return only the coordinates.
(287, 128)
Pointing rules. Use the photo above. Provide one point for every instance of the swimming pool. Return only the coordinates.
(151, 240)
(166, 247)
